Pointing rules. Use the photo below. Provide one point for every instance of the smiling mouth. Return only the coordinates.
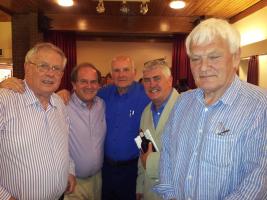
(48, 82)
(154, 91)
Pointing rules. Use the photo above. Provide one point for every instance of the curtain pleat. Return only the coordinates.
(67, 42)
(181, 62)
(253, 70)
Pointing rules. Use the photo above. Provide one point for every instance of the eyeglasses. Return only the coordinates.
(159, 61)
(86, 82)
(45, 67)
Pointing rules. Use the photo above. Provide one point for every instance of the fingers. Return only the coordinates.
(71, 184)
(15, 84)
(64, 95)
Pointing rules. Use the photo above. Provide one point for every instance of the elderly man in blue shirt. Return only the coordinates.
(214, 144)
(125, 101)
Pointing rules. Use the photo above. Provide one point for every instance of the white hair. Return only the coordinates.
(208, 29)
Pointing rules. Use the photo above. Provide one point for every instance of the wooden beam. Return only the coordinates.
(122, 24)
(250, 10)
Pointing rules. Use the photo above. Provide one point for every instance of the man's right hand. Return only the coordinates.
(12, 198)
(64, 95)
(139, 196)
(13, 83)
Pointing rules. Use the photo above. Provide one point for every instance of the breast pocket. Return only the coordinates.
(218, 150)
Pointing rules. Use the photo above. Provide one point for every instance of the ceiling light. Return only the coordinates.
(65, 3)
(124, 7)
(177, 4)
(143, 8)
(100, 7)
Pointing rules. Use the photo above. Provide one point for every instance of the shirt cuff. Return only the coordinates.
(166, 191)
(4, 195)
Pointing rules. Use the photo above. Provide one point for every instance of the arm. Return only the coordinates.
(4, 194)
(140, 181)
(64, 95)
(254, 165)
(165, 188)
(15, 84)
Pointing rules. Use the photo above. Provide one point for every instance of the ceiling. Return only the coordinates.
(160, 19)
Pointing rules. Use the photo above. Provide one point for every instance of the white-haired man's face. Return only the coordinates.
(213, 67)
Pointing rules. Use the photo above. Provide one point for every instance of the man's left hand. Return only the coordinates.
(144, 156)
(71, 184)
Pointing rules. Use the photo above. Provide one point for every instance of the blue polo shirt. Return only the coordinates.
(123, 114)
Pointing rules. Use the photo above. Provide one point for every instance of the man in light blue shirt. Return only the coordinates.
(87, 131)
(214, 144)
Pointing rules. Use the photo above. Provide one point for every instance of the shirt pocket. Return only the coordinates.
(218, 150)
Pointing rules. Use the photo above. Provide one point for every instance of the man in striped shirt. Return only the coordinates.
(34, 157)
(215, 142)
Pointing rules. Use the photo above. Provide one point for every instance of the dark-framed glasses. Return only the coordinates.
(45, 67)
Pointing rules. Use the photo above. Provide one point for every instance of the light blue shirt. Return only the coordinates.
(157, 113)
(87, 134)
(219, 151)
(34, 154)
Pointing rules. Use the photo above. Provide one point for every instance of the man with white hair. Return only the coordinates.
(214, 144)
(34, 132)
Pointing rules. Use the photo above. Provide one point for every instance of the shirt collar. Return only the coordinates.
(30, 97)
(229, 95)
(153, 107)
(78, 101)
(130, 88)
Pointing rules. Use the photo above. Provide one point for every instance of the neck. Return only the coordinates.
(44, 101)
(122, 90)
(89, 104)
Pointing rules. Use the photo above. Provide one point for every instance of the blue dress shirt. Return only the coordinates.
(219, 151)
(157, 113)
(123, 114)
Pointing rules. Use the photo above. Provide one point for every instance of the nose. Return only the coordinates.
(204, 64)
(50, 72)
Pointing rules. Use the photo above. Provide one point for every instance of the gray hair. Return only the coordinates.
(123, 58)
(45, 45)
(159, 63)
(207, 30)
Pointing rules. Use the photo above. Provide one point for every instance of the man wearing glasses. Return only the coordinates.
(87, 131)
(34, 155)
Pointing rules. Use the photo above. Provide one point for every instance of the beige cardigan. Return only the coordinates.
(148, 178)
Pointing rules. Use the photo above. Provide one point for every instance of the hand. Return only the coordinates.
(14, 84)
(64, 95)
(12, 198)
(139, 196)
(144, 156)
(71, 184)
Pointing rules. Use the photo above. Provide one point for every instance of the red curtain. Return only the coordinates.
(67, 42)
(253, 70)
(181, 62)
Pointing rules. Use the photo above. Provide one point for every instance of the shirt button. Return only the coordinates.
(206, 109)
(200, 130)
(189, 177)
(189, 198)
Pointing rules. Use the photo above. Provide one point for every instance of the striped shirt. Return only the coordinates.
(34, 159)
(219, 151)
